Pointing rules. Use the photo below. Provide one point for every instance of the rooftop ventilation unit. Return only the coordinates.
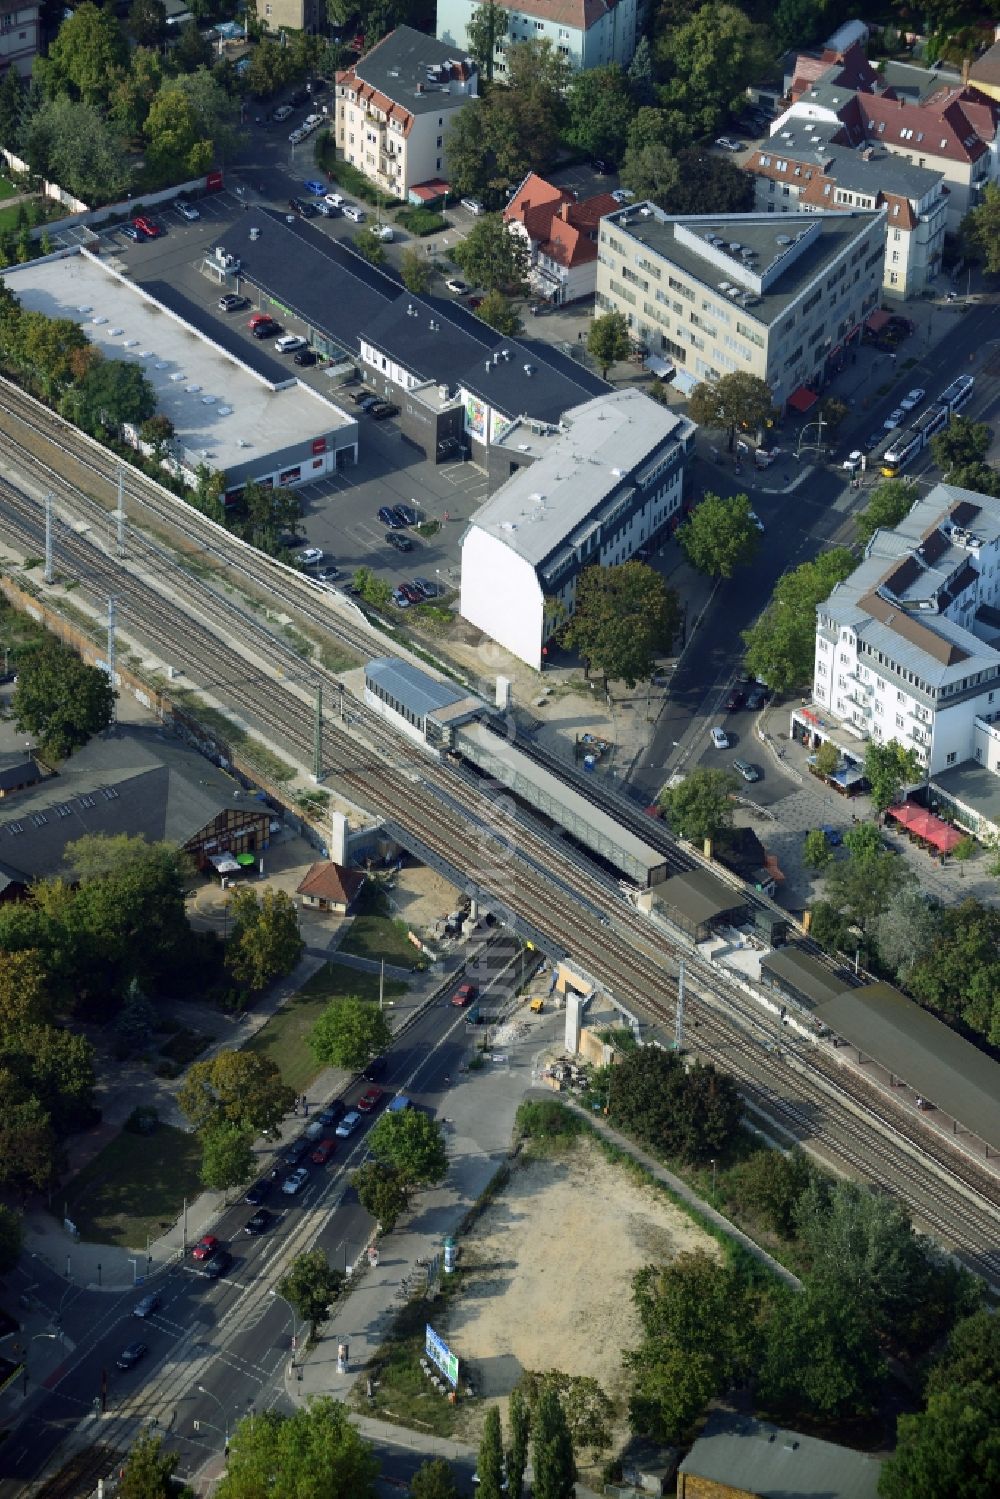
(161, 364)
(192, 390)
(97, 321)
(176, 377)
(735, 246)
(783, 239)
(506, 354)
(529, 369)
(130, 343)
(724, 285)
(84, 308)
(225, 411)
(733, 291)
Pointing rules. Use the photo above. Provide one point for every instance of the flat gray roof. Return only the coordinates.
(399, 67)
(811, 978)
(944, 1068)
(596, 449)
(417, 690)
(699, 896)
(974, 786)
(217, 404)
(777, 269)
(755, 1457)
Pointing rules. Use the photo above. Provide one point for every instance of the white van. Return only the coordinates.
(289, 343)
(353, 212)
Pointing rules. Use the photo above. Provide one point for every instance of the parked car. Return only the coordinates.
(913, 398)
(734, 700)
(726, 143)
(401, 543)
(464, 995)
(622, 195)
(289, 342)
(369, 1102)
(335, 200)
(149, 227)
(232, 303)
(412, 593)
(334, 1110)
(475, 302)
(294, 1183)
(256, 1194)
(354, 213)
(746, 770)
(720, 739)
(374, 1068)
(304, 357)
(206, 1247)
(130, 1356)
(327, 210)
(266, 329)
(389, 516)
(429, 589)
(282, 113)
(399, 599)
(218, 1265)
(296, 1153)
(472, 205)
(324, 1150)
(309, 556)
(147, 1306)
(756, 698)
(259, 1223)
(382, 410)
(853, 461)
(188, 211)
(407, 514)
(316, 187)
(131, 232)
(348, 1124)
(894, 418)
(456, 285)
(328, 574)
(381, 231)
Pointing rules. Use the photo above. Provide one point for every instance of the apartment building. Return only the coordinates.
(20, 35)
(802, 169)
(745, 292)
(394, 107)
(588, 492)
(561, 235)
(587, 33)
(908, 647)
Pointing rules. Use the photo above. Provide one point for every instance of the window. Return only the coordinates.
(950, 759)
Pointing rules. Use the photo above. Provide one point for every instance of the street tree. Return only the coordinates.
(720, 535)
(707, 62)
(650, 169)
(365, 244)
(227, 1156)
(608, 340)
(147, 22)
(11, 1238)
(827, 759)
(242, 1088)
(821, 1356)
(174, 138)
(981, 478)
(907, 931)
(816, 851)
(736, 401)
(496, 310)
(890, 502)
(493, 256)
(60, 699)
(264, 940)
(589, 1412)
(958, 976)
(149, 1470)
(552, 1464)
(516, 1458)
(415, 271)
(315, 1453)
(888, 768)
(310, 1284)
(700, 807)
(486, 151)
(374, 590)
(382, 1192)
(861, 888)
(489, 1465)
(29, 1153)
(961, 443)
(349, 1033)
(215, 112)
(625, 618)
(87, 53)
(982, 227)
(434, 1479)
(486, 26)
(413, 1143)
(781, 644)
(600, 109)
(158, 431)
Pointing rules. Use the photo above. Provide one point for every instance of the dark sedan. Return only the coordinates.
(259, 1223)
(734, 700)
(407, 515)
(390, 517)
(266, 329)
(218, 1266)
(256, 1194)
(401, 543)
(130, 1356)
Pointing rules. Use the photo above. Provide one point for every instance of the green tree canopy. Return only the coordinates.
(70, 141)
(709, 184)
(625, 617)
(112, 395)
(415, 271)
(264, 939)
(589, 1412)
(434, 1479)
(313, 1454)
(413, 1144)
(821, 1356)
(147, 21)
(174, 131)
(816, 850)
(720, 535)
(227, 1156)
(310, 1285)
(733, 401)
(349, 1033)
(516, 1456)
(241, 1088)
(10, 1238)
(88, 53)
(958, 975)
(907, 931)
(608, 340)
(781, 645)
(497, 310)
(888, 768)
(490, 1461)
(486, 26)
(767, 1186)
(382, 1192)
(890, 502)
(149, 1470)
(688, 1111)
(707, 61)
(60, 699)
(701, 805)
(982, 227)
(958, 445)
(600, 109)
(492, 255)
(553, 1466)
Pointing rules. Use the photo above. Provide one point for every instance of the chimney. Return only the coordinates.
(564, 209)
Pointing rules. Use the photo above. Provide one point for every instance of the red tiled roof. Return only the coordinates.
(562, 229)
(332, 882)
(942, 129)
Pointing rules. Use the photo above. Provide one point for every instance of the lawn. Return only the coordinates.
(136, 1186)
(7, 189)
(375, 934)
(283, 1038)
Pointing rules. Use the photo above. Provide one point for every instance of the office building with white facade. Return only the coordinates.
(743, 292)
(588, 493)
(587, 33)
(908, 647)
(394, 109)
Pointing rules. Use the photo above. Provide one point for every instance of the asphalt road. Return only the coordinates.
(797, 526)
(196, 1316)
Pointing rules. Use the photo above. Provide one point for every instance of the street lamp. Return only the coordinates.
(714, 1165)
(295, 1341)
(225, 1414)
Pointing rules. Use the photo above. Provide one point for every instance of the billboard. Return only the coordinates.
(441, 1356)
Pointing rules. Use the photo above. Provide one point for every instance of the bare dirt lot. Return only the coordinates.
(548, 1274)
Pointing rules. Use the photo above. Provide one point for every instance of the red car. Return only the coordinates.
(259, 317)
(324, 1150)
(148, 226)
(464, 995)
(205, 1248)
(369, 1101)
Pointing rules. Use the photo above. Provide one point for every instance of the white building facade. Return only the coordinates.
(589, 493)
(587, 33)
(908, 647)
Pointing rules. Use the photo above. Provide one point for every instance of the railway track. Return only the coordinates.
(548, 887)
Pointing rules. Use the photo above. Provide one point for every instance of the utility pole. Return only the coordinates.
(48, 537)
(679, 1016)
(318, 736)
(381, 986)
(112, 653)
(120, 513)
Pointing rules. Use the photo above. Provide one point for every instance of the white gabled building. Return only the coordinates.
(587, 33)
(908, 647)
(587, 493)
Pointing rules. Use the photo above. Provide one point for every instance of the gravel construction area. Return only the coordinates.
(548, 1274)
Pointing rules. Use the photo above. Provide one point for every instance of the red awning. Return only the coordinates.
(802, 398)
(877, 320)
(925, 825)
